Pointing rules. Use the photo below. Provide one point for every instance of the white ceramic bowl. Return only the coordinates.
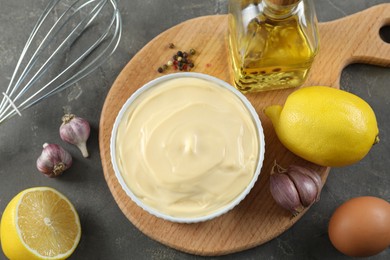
(225, 208)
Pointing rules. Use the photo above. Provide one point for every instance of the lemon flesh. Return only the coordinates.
(324, 125)
(39, 223)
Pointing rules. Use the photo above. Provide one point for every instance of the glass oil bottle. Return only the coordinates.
(272, 43)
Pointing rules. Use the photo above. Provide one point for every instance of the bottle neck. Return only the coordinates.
(280, 9)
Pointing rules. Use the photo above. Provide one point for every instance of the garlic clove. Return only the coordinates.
(83, 148)
(305, 186)
(285, 193)
(295, 183)
(316, 178)
(75, 130)
(54, 160)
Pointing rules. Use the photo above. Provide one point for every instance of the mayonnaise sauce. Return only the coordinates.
(187, 147)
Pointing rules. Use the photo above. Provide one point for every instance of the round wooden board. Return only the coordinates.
(257, 219)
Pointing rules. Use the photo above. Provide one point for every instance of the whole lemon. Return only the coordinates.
(324, 125)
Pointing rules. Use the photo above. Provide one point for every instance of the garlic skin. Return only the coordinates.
(295, 188)
(305, 187)
(54, 160)
(314, 176)
(75, 130)
(285, 193)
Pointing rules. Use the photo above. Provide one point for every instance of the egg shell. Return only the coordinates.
(361, 226)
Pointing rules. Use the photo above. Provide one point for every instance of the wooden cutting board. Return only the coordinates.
(257, 219)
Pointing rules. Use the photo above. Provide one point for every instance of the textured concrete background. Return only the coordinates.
(107, 234)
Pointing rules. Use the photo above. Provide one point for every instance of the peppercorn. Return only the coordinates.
(181, 60)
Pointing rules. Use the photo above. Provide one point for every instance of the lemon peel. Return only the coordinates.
(324, 125)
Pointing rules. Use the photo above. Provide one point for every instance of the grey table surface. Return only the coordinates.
(107, 233)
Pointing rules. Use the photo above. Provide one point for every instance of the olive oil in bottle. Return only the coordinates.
(272, 43)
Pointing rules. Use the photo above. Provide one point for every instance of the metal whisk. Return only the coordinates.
(70, 40)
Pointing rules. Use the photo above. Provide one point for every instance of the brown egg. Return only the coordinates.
(361, 226)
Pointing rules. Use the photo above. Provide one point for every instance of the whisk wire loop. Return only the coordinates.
(52, 33)
(85, 70)
(48, 8)
(12, 104)
(70, 38)
(86, 62)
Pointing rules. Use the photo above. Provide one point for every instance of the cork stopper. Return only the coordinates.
(283, 2)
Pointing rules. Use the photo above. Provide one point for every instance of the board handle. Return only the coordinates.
(352, 39)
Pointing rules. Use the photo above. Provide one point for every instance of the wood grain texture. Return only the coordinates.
(353, 39)
(257, 219)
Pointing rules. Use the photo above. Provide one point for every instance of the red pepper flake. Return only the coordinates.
(208, 65)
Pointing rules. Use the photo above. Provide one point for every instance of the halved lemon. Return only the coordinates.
(39, 223)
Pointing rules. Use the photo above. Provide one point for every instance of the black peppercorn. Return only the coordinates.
(180, 61)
